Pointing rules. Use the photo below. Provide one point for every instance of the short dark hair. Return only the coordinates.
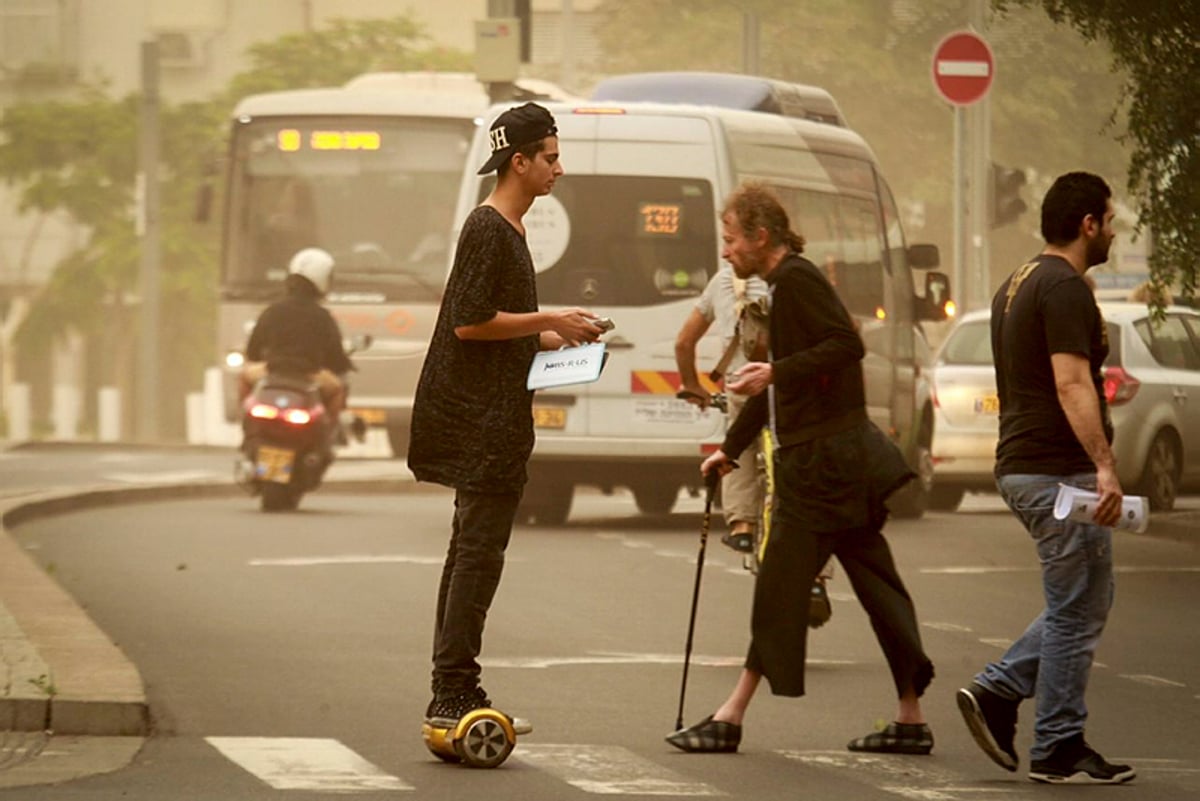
(529, 151)
(1072, 197)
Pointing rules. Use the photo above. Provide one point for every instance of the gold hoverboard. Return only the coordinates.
(482, 738)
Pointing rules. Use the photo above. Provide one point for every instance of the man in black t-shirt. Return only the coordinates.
(1050, 343)
(472, 424)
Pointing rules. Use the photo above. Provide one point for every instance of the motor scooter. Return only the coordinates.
(289, 438)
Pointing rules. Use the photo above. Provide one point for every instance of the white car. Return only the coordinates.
(1151, 382)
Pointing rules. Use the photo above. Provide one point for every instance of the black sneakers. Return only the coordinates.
(1073, 761)
(992, 721)
(448, 709)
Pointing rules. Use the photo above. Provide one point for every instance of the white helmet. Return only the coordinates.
(314, 264)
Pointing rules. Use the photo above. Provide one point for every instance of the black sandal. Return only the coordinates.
(708, 737)
(740, 541)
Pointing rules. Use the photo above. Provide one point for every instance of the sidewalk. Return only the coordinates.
(60, 675)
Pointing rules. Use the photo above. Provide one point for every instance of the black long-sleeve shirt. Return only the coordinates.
(298, 335)
(816, 353)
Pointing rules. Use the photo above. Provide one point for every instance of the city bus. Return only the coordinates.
(369, 171)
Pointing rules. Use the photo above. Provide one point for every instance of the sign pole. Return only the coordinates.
(962, 75)
(959, 199)
(148, 231)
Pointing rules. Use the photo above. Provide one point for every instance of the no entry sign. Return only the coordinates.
(962, 68)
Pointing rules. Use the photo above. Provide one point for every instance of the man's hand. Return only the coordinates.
(752, 379)
(1108, 509)
(575, 326)
(717, 460)
(695, 395)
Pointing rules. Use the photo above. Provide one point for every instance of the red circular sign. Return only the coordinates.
(962, 68)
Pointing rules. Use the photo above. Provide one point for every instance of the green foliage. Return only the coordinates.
(79, 157)
(348, 47)
(1050, 101)
(1155, 50)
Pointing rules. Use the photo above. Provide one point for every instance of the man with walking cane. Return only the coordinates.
(834, 469)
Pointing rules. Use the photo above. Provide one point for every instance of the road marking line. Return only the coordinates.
(299, 763)
(162, 477)
(610, 770)
(1152, 681)
(996, 642)
(351, 559)
(936, 626)
(921, 783)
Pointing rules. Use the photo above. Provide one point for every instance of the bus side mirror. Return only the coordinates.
(923, 257)
(937, 304)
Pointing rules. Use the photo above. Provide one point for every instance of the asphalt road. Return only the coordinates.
(287, 655)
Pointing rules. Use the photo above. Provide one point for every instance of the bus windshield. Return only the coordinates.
(378, 193)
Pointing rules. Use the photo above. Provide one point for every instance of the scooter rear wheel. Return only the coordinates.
(279, 497)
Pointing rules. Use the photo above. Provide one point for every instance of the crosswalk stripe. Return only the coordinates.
(298, 763)
(609, 770)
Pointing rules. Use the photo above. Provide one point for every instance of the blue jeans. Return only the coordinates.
(483, 523)
(1052, 660)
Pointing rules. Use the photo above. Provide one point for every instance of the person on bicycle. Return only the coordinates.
(723, 302)
(738, 308)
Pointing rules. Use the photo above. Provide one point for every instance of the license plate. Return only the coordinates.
(549, 417)
(988, 404)
(275, 464)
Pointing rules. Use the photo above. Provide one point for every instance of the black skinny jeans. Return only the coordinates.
(482, 526)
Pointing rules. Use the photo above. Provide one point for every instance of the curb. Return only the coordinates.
(58, 670)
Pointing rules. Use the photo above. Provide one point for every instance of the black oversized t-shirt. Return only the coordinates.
(1044, 308)
(472, 424)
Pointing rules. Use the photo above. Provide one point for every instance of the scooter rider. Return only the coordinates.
(298, 336)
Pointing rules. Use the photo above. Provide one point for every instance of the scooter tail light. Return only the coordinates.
(264, 411)
(297, 417)
(1119, 386)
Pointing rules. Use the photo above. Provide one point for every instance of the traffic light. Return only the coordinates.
(1007, 205)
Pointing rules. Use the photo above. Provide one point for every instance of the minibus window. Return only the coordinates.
(612, 240)
(843, 239)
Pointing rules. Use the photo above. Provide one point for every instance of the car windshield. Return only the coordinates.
(971, 343)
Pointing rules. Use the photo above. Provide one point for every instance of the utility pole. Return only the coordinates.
(147, 225)
(980, 117)
(750, 44)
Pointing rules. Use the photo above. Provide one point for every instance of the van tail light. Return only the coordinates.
(1119, 386)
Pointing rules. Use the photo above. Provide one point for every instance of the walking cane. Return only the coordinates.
(711, 478)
